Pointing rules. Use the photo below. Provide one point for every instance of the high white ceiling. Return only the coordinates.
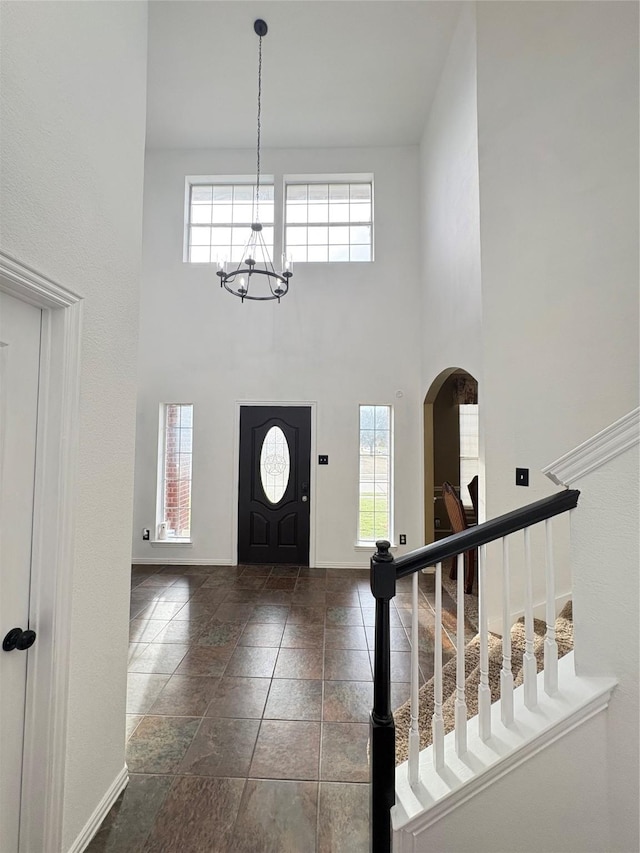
(335, 72)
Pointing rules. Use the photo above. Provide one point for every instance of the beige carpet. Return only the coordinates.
(564, 638)
(470, 599)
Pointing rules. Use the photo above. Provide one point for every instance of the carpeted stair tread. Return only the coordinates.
(564, 639)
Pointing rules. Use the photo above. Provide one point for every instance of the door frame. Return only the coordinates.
(46, 708)
(236, 471)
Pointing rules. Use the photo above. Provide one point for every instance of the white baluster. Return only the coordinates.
(529, 662)
(460, 704)
(437, 723)
(414, 733)
(506, 673)
(484, 691)
(550, 645)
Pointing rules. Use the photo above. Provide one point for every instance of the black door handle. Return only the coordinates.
(18, 639)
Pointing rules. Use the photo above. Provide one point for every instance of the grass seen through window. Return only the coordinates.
(374, 509)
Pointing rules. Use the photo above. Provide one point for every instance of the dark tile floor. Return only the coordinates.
(249, 694)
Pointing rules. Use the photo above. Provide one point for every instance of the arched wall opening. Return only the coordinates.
(445, 457)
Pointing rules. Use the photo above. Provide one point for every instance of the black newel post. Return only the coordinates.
(382, 726)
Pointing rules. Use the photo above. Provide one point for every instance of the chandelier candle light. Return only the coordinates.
(254, 277)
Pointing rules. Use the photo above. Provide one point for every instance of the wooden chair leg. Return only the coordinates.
(453, 572)
(470, 559)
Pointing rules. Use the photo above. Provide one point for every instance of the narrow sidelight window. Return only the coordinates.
(374, 517)
(175, 469)
(468, 449)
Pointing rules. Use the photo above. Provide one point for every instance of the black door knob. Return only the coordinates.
(18, 639)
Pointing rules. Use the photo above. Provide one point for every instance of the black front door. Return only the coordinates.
(273, 494)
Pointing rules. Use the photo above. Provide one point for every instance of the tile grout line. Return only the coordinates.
(349, 603)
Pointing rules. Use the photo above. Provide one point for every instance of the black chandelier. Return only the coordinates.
(254, 276)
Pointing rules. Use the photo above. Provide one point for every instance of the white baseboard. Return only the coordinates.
(167, 560)
(102, 810)
(180, 561)
(600, 448)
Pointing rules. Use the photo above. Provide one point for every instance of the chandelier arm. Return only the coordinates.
(246, 295)
(230, 276)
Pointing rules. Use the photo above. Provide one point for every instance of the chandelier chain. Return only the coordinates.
(259, 129)
(253, 276)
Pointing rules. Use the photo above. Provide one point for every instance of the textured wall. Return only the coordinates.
(558, 143)
(607, 595)
(450, 230)
(73, 116)
(558, 156)
(542, 805)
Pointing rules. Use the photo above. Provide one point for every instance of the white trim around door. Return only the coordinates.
(52, 556)
(312, 405)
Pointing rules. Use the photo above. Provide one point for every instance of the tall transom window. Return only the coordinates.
(220, 216)
(329, 220)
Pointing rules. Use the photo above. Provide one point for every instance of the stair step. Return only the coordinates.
(439, 793)
(564, 636)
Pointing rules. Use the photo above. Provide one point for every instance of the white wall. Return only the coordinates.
(558, 138)
(450, 237)
(450, 229)
(581, 793)
(606, 604)
(344, 335)
(73, 118)
(542, 805)
(558, 155)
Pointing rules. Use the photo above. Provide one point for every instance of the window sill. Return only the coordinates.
(369, 546)
(161, 542)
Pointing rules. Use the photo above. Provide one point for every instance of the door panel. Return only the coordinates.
(288, 530)
(273, 494)
(19, 370)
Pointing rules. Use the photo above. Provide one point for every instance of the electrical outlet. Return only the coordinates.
(403, 538)
(323, 459)
(146, 533)
(522, 476)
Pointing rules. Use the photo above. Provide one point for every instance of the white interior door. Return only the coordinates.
(20, 330)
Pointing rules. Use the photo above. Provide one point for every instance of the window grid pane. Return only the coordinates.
(230, 209)
(374, 514)
(339, 217)
(177, 470)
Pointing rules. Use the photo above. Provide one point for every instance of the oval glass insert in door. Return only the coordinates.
(275, 464)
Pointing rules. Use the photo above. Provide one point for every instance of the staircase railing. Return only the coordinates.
(385, 572)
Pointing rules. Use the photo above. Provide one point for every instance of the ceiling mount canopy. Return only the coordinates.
(254, 276)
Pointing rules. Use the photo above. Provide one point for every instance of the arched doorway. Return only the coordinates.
(450, 446)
